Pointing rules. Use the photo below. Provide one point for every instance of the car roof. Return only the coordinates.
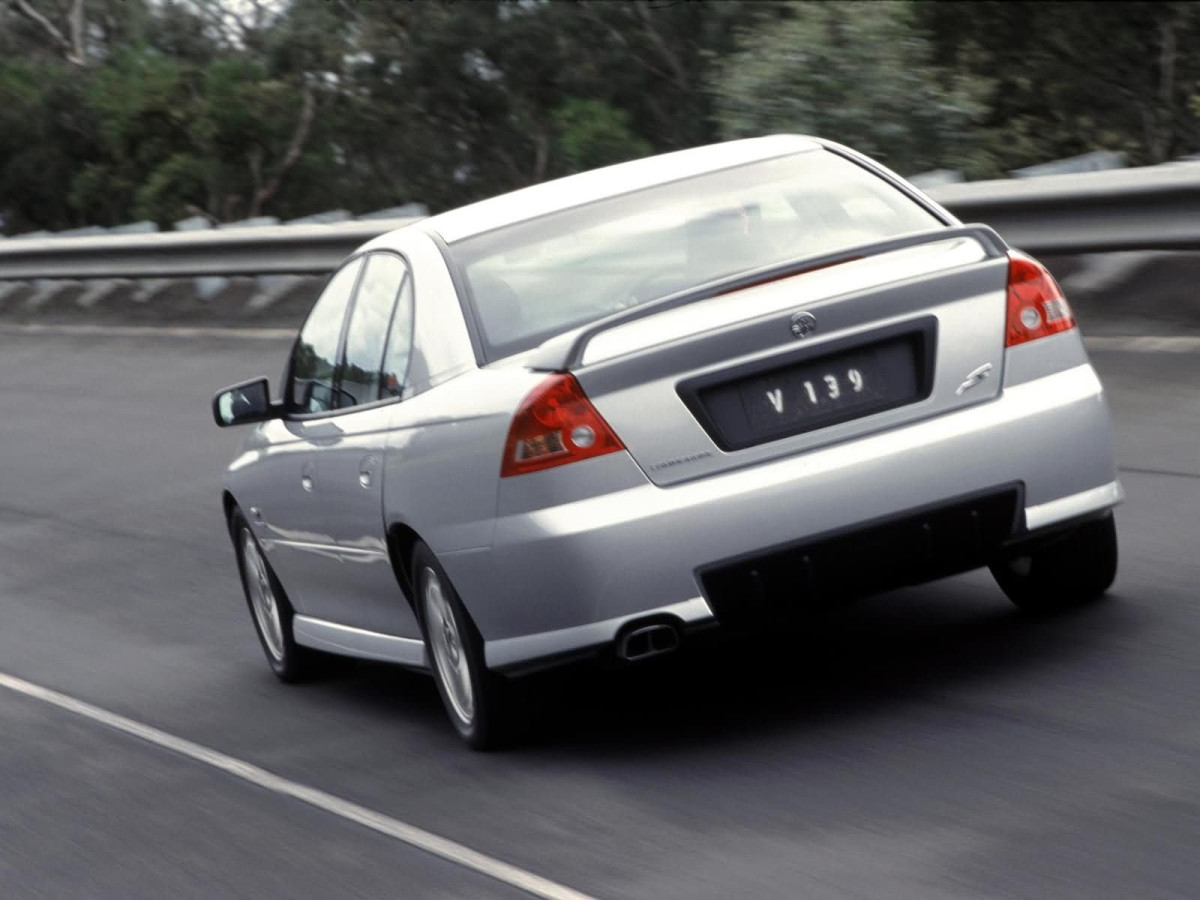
(587, 187)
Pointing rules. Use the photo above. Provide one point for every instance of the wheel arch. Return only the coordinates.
(229, 504)
(401, 540)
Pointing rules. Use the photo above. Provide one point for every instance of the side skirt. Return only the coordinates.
(357, 642)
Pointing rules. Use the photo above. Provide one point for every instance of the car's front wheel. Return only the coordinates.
(476, 699)
(1062, 571)
(269, 608)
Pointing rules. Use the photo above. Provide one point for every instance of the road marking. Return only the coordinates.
(442, 847)
(174, 331)
(1144, 344)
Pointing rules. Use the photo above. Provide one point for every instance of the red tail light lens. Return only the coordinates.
(1036, 305)
(555, 425)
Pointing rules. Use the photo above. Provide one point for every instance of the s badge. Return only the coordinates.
(974, 378)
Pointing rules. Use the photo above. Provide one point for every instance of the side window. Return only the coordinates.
(359, 380)
(315, 355)
(399, 346)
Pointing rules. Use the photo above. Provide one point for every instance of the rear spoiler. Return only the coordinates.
(565, 351)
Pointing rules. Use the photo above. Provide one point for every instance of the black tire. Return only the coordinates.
(1063, 571)
(488, 724)
(288, 660)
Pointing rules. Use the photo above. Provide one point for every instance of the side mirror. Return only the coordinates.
(249, 401)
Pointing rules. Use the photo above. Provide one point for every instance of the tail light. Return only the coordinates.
(1036, 305)
(555, 425)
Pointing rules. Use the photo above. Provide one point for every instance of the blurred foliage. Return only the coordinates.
(1068, 78)
(116, 110)
(858, 73)
(592, 134)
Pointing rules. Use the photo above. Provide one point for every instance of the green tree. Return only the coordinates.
(858, 73)
(118, 109)
(592, 134)
(453, 102)
(45, 140)
(1067, 78)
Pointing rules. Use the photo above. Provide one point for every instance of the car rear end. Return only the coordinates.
(758, 439)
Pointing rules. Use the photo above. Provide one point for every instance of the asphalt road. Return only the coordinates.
(929, 743)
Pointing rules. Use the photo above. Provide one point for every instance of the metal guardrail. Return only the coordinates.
(1152, 208)
(271, 250)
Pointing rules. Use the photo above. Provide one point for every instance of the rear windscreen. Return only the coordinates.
(535, 279)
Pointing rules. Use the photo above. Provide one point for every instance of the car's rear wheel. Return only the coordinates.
(1062, 571)
(476, 699)
(270, 609)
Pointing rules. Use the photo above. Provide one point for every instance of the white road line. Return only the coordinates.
(393, 828)
(174, 331)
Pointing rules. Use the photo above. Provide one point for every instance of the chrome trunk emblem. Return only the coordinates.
(803, 323)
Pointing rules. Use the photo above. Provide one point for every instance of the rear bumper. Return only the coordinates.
(1073, 506)
(563, 578)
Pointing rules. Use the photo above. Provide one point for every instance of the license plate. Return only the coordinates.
(816, 392)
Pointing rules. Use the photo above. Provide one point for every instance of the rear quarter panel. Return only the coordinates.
(442, 464)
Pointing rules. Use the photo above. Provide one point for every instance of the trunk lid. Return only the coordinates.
(776, 369)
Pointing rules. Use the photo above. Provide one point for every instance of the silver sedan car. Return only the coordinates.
(696, 391)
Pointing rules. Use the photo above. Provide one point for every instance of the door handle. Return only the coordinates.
(306, 477)
(366, 471)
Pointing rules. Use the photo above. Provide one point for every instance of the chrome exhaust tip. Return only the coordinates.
(644, 641)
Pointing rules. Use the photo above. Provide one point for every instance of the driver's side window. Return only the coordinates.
(314, 358)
